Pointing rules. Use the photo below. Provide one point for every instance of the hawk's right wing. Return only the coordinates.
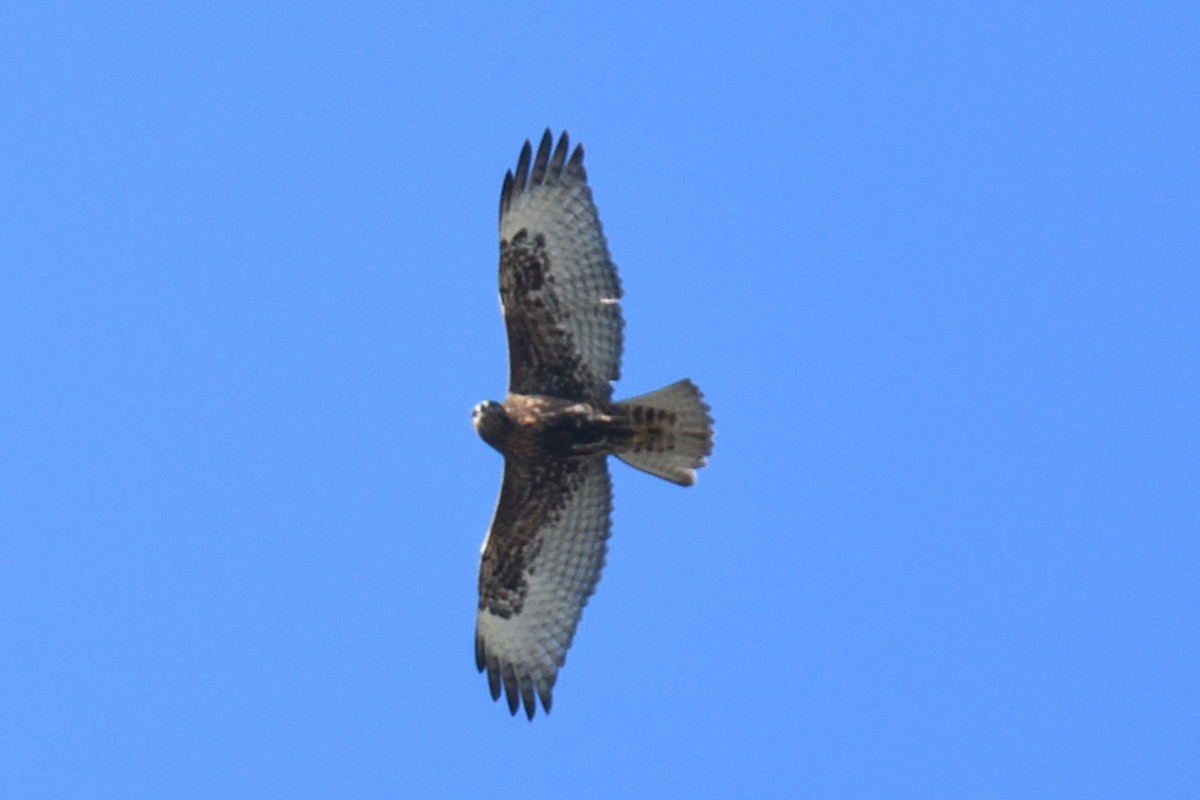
(541, 561)
(558, 286)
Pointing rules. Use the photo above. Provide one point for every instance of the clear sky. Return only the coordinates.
(936, 268)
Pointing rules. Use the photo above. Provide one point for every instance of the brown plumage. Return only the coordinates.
(543, 554)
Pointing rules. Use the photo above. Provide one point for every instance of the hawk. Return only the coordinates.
(560, 294)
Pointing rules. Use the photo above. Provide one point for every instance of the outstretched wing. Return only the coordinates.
(541, 561)
(558, 286)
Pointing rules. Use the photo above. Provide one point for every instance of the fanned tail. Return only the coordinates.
(672, 432)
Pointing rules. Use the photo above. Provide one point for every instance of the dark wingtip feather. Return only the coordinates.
(480, 652)
(506, 193)
(560, 154)
(493, 674)
(522, 173)
(528, 699)
(511, 693)
(575, 165)
(542, 159)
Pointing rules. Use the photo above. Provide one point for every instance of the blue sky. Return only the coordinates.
(935, 267)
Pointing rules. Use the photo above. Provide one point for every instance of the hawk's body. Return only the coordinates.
(560, 295)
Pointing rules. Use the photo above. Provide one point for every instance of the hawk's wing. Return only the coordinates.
(558, 286)
(541, 560)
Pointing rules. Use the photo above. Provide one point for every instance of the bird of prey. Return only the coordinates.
(560, 294)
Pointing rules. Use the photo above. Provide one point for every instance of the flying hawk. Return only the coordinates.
(559, 293)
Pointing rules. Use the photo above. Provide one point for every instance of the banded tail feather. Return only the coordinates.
(672, 432)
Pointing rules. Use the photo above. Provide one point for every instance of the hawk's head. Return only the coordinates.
(491, 423)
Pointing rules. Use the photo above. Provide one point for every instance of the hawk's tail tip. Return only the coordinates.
(673, 432)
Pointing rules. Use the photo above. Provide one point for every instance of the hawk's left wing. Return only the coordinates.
(558, 286)
(541, 561)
